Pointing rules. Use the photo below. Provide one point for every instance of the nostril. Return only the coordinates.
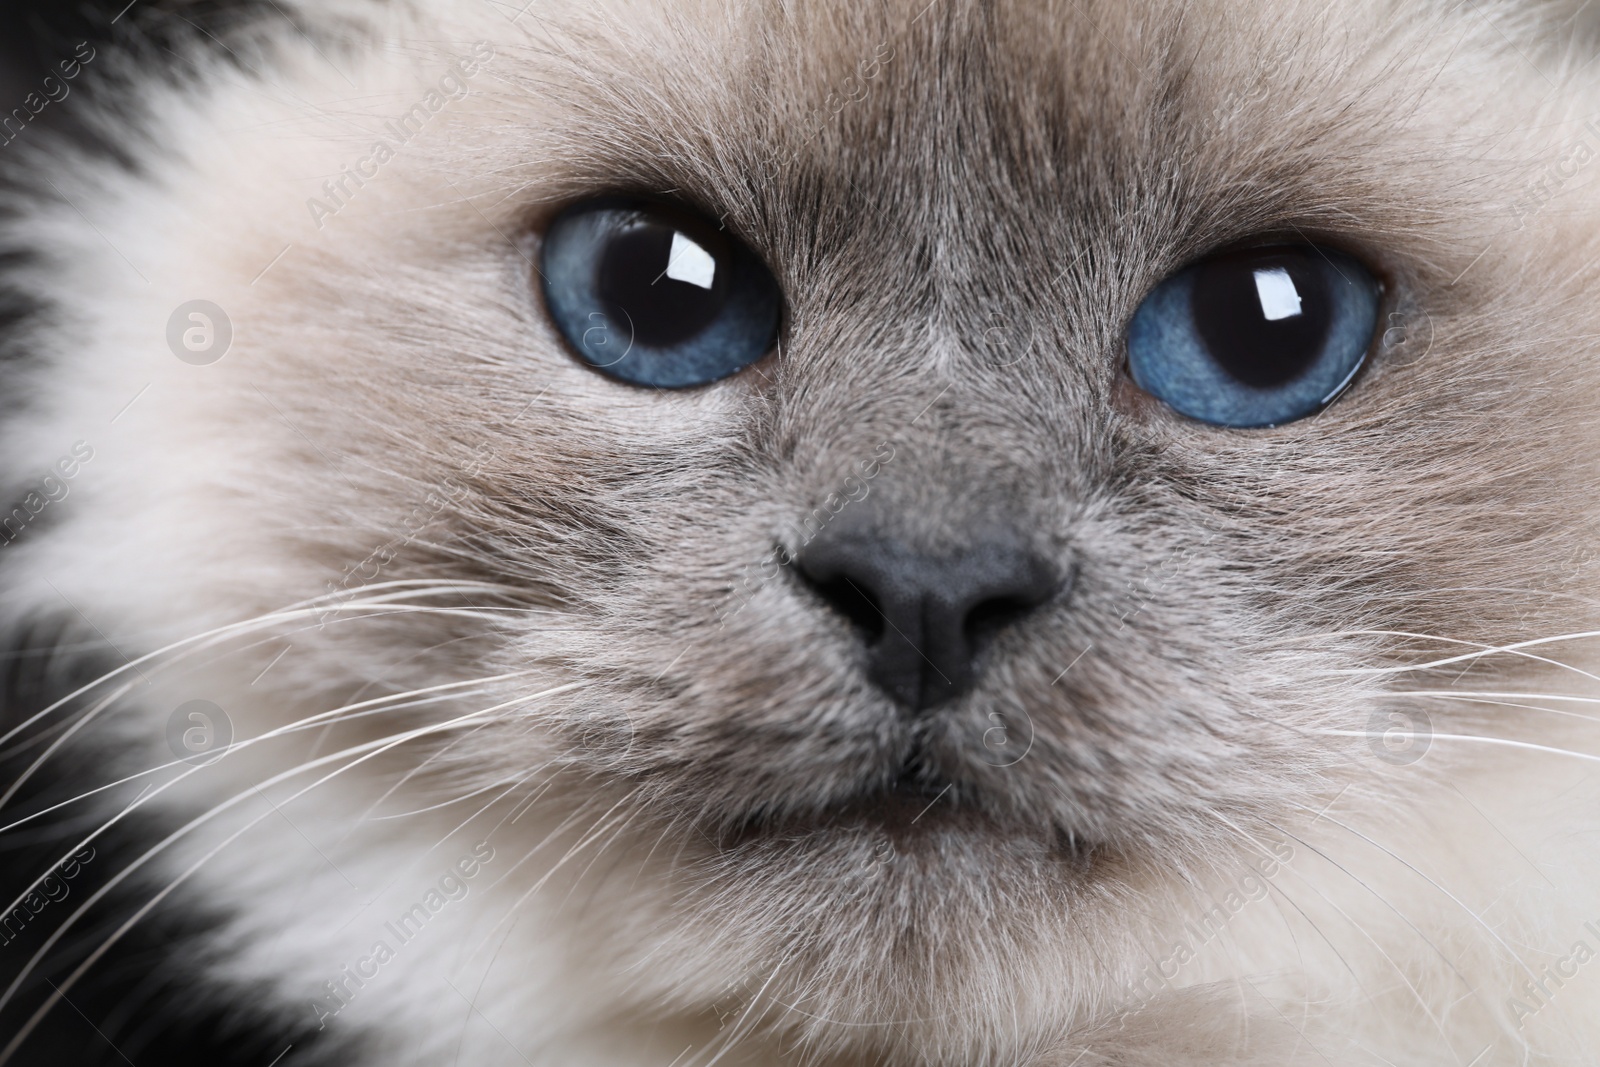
(989, 617)
(855, 603)
(846, 583)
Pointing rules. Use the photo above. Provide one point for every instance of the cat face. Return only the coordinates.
(947, 422)
(925, 602)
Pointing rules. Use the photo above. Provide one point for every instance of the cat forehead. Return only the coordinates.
(804, 122)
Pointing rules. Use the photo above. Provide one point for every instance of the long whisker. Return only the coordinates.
(240, 745)
(746, 1022)
(1480, 650)
(1267, 853)
(1432, 882)
(442, 804)
(526, 806)
(304, 610)
(1528, 745)
(412, 773)
(1467, 698)
(61, 990)
(21, 780)
(455, 830)
(66, 736)
(468, 820)
(369, 750)
(600, 826)
(616, 835)
(1380, 898)
(476, 792)
(1492, 694)
(346, 713)
(287, 633)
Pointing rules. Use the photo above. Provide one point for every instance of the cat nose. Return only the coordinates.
(926, 619)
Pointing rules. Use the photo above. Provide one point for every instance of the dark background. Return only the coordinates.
(35, 34)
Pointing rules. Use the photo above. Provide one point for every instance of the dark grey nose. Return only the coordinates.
(926, 619)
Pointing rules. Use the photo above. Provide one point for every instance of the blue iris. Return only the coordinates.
(655, 296)
(1256, 337)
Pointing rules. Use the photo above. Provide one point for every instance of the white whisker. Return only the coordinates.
(1527, 745)
(56, 745)
(589, 836)
(1480, 651)
(1466, 698)
(368, 750)
(343, 714)
(1476, 918)
(1416, 993)
(380, 605)
(1490, 694)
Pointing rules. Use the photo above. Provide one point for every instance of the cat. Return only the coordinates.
(1041, 532)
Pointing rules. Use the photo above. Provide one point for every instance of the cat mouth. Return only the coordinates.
(912, 796)
(930, 826)
(920, 807)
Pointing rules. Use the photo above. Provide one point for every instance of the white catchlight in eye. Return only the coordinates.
(1279, 298)
(688, 262)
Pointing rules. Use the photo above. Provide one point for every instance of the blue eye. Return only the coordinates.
(1257, 337)
(654, 296)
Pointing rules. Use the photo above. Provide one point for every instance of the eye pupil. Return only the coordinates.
(1264, 317)
(662, 281)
